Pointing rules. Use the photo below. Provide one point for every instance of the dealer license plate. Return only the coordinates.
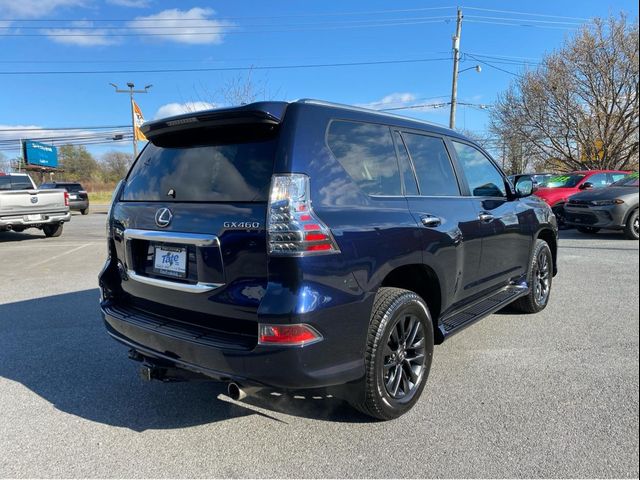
(171, 261)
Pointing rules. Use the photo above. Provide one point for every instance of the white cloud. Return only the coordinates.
(82, 37)
(171, 109)
(434, 105)
(183, 26)
(130, 3)
(391, 101)
(35, 8)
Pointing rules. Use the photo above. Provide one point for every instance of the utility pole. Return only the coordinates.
(456, 60)
(131, 91)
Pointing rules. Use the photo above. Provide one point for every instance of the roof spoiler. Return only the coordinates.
(246, 115)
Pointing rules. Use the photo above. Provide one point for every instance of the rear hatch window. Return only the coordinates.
(15, 182)
(199, 169)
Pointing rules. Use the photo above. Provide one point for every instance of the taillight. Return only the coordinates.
(288, 335)
(293, 228)
(66, 199)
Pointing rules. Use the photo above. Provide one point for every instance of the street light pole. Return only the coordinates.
(456, 60)
(131, 90)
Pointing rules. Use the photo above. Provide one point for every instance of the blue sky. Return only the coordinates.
(116, 36)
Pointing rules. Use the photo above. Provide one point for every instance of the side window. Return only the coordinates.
(599, 180)
(367, 153)
(617, 176)
(483, 177)
(410, 185)
(433, 165)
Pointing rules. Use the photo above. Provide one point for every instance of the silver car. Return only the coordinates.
(614, 207)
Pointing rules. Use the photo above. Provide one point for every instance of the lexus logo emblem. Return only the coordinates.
(163, 217)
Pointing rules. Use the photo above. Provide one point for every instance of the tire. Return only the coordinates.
(588, 229)
(84, 211)
(558, 211)
(397, 314)
(540, 280)
(53, 230)
(631, 227)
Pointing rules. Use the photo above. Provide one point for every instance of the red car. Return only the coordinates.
(557, 190)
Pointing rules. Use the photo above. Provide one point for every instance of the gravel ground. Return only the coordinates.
(547, 395)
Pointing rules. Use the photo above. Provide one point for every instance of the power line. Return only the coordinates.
(215, 32)
(488, 22)
(132, 25)
(304, 15)
(515, 12)
(494, 67)
(528, 20)
(224, 69)
(29, 129)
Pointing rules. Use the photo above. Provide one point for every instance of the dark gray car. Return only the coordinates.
(614, 207)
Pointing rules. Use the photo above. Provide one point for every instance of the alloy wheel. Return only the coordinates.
(404, 357)
(542, 278)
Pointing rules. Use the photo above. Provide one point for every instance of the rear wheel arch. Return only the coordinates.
(424, 281)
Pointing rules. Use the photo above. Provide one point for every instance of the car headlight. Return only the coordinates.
(603, 203)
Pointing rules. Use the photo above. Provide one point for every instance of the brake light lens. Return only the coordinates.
(288, 335)
(66, 199)
(293, 228)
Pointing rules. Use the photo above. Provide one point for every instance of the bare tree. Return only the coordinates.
(579, 109)
(115, 165)
(238, 90)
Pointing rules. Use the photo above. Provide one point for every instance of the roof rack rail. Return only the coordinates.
(313, 101)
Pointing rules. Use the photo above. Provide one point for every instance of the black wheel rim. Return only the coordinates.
(404, 357)
(542, 278)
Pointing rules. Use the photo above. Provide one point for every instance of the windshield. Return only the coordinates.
(563, 181)
(628, 181)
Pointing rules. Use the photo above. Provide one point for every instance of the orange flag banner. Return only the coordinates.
(138, 120)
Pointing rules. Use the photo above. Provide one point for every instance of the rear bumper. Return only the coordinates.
(318, 365)
(610, 216)
(46, 218)
(77, 205)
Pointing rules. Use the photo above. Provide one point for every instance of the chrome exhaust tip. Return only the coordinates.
(235, 392)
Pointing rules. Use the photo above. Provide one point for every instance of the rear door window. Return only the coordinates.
(409, 179)
(433, 165)
(367, 153)
(235, 172)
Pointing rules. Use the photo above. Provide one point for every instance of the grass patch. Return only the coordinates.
(100, 197)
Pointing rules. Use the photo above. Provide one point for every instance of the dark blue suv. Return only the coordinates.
(315, 247)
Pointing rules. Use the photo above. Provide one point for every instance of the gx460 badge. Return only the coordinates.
(241, 224)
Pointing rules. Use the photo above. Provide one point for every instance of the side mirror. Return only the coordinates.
(525, 186)
(586, 186)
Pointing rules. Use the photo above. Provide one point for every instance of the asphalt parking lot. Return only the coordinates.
(548, 395)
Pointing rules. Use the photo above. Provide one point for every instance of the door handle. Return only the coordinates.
(431, 221)
(485, 217)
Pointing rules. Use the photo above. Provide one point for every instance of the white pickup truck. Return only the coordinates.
(23, 206)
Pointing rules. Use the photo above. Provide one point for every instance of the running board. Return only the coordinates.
(463, 318)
